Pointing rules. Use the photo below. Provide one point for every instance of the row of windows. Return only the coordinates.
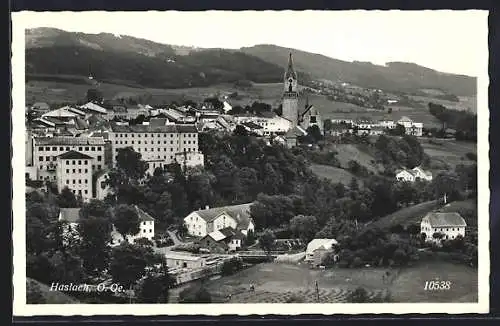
(144, 230)
(132, 135)
(73, 162)
(49, 167)
(164, 149)
(61, 148)
(124, 142)
(80, 192)
(144, 223)
(79, 170)
(426, 228)
(79, 181)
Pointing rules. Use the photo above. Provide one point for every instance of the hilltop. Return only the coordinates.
(394, 76)
(136, 62)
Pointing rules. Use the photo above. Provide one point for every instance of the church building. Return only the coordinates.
(300, 119)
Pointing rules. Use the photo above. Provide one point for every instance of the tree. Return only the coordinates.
(250, 238)
(267, 240)
(95, 235)
(305, 227)
(155, 288)
(96, 208)
(130, 163)
(128, 264)
(315, 133)
(328, 124)
(196, 293)
(126, 220)
(66, 199)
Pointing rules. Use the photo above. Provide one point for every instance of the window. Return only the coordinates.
(98, 167)
(40, 158)
(74, 183)
(61, 148)
(67, 182)
(47, 158)
(150, 230)
(86, 170)
(79, 170)
(67, 170)
(79, 181)
(40, 148)
(80, 148)
(73, 162)
(99, 148)
(85, 191)
(92, 148)
(143, 230)
(54, 148)
(74, 170)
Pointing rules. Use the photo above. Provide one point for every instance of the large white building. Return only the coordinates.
(270, 126)
(74, 171)
(450, 225)
(411, 128)
(47, 149)
(204, 221)
(158, 145)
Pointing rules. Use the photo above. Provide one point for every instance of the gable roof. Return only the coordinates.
(143, 216)
(438, 219)
(241, 213)
(64, 140)
(70, 215)
(295, 132)
(217, 235)
(405, 119)
(94, 107)
(74, 155)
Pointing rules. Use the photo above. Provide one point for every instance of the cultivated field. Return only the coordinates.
(279, 283)
(407, 215)
(332, 173)
(449, 152)
(348, 152)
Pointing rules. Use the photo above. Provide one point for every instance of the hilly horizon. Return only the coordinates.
(137, 62)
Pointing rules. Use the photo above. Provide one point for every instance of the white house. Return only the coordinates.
(317, 246)
(146, 229)
(201, 222)
(417, 173)
(450, 225)
(411, 128)
(405, 175)
(422, 174)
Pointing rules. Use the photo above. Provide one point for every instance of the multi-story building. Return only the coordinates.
(74, 170)
(411, 128)
(160, 145)
(449, 225)
(47, 149)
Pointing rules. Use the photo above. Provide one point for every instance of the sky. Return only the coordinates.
(445, 40)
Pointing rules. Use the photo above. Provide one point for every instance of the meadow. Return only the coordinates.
(332, 173)
(281, 283)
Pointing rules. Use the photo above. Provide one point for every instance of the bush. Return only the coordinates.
(471, 156)
(231, 266)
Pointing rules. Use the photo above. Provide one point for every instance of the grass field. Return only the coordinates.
(278, 283)
(407, 215)
(450, 152)
(347, 152)
(332, 173)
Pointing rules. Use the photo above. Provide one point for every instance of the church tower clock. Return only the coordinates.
(290, 94)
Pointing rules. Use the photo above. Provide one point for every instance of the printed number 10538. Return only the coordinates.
(437, 285)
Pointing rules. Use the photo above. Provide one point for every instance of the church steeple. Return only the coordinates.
(290, 72)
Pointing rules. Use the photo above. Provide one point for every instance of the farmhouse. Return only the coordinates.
(450, 225)
(317, 248)
(222, 240)
(413, 174)
(204, 221)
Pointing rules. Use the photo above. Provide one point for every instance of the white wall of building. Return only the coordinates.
(76, 174)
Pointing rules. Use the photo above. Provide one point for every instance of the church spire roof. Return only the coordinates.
(290, 72)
